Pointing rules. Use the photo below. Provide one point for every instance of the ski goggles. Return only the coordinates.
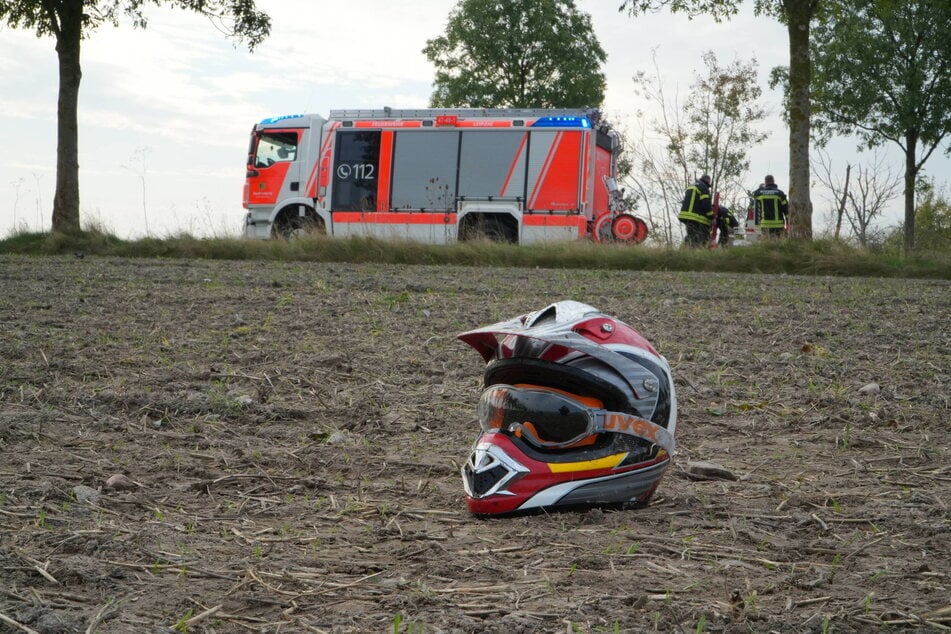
(552, 419)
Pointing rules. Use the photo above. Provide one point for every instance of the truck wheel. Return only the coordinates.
(601, 231)
(289, 224)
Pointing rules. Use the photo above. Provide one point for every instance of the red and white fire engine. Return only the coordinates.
(438, 176)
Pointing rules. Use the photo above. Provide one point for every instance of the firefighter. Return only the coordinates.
(726, 225)
(696, 212)
(772, 206)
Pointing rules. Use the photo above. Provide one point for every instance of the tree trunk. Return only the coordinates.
(911, 173)
(66, 200)
(798, 16)
(845, 195)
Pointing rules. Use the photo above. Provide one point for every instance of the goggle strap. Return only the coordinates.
(520, 429)
(630, 425)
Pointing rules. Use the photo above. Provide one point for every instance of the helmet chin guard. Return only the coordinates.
(578, 409)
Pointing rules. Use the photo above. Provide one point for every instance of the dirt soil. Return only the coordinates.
(275, 447)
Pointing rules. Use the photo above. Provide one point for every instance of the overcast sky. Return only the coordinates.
(165, 112)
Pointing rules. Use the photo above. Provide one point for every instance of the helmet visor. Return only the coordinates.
(544, 417)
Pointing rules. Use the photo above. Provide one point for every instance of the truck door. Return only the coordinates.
(272, 162)
(356, 171)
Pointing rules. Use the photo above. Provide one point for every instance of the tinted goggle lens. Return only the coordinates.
(544, 417)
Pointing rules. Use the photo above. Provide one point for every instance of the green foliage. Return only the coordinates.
(70, 22)
(722, 110)
(933, 222)
(46, 18)
(712, 134)
(718, 9)
(783, 256)
(882, 70)
(932, 225)
(517, 54)
(182, 624)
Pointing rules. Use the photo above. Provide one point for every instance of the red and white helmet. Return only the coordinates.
(577, 409)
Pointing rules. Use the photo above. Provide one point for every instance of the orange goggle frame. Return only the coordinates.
(552, 419)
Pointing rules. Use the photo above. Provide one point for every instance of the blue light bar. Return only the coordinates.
(562, 122)
(270, 120)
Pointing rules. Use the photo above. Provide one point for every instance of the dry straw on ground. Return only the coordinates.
(244, 446)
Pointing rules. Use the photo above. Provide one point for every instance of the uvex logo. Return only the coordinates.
(639, 426)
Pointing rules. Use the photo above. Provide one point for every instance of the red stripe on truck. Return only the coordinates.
(394, 218)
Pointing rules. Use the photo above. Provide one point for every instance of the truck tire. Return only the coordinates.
(289, 224)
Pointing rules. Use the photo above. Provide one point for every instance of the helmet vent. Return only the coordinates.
(483, 481)
(549, 313)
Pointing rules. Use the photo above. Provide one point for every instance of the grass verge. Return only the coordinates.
(820, 257)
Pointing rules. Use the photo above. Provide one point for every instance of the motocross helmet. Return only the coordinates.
(577, 410)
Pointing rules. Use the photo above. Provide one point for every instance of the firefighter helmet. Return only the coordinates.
(577, 409)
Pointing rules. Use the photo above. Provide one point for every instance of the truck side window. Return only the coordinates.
(356, 171)
(275, 147)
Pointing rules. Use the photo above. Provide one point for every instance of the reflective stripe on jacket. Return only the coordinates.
(696, 206)
(772, 206)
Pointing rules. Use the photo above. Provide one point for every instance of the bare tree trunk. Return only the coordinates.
(66, 200)
(798, 15)
(845, 195)
(911, 172)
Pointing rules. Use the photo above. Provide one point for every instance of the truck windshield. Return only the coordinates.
(275, 147)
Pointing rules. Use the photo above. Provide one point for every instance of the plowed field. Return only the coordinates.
(213, 446)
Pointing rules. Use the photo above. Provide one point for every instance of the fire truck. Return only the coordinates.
(438, 176)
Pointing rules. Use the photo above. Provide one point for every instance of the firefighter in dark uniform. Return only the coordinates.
(726, 224)
(772, 206)
(696, 212)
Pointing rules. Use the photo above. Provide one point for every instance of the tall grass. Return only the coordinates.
(820, 257)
